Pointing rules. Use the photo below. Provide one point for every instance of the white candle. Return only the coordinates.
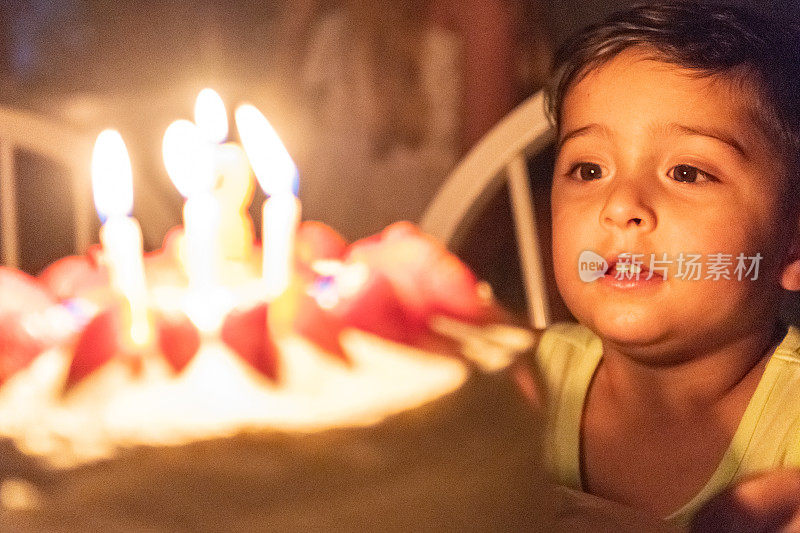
(201, 218)
(277, 175)
(120, 235)
(233, 180)
(234, 192)
(280, 217)
(190, 165)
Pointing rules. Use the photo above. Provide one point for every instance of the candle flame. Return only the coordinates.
(210, 115)
(112, 178)
(187, 157)
(271, 162)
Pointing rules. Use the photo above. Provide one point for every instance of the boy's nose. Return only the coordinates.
(626, 208)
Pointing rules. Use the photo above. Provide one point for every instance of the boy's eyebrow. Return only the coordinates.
(671, 127)
(709, 132)
(579, 132)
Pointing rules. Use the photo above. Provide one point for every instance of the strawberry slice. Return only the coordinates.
(178, 339)
(245, 332)
(400, 230)
(21, 299)
(396, 261)
(76, 275)
(318, 325)
(97, 345)
(315, 241)
(376, 308)
(428, 279)
(452, 289)
(21, 293)
(18, 350)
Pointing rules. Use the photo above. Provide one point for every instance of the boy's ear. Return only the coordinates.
(790, 278)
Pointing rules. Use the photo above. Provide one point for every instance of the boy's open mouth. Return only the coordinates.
(626, 268)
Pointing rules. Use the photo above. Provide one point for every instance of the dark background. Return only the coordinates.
(137, 65)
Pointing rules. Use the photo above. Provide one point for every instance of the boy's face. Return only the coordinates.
(655, 161)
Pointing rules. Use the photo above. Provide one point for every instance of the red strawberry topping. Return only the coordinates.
(178, 339)
(428, 279)
(76, 275)
(21, 297)
(377, 309)
(315, 241)
(318, 325)
(245, 332)
(97, 345)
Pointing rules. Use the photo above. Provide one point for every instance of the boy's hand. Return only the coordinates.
(768, 502)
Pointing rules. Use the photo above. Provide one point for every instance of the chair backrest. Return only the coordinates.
(72, 149)
(501, 155)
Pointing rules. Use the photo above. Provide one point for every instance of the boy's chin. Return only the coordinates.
(630, 329)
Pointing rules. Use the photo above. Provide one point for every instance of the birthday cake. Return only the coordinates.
(375, 392)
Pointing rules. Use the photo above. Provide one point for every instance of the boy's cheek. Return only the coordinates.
(565, 257)
(567, 275)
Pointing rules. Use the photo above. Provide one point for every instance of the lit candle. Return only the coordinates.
(234, 192)
(189, 164)
(120, 235)
(234, 182)
(277, 175)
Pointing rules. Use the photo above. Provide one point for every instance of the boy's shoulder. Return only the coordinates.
(775, 436)
(789, 349)
(782, 375)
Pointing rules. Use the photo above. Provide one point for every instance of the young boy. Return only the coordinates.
(678, 131)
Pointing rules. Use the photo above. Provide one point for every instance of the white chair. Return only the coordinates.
(500, 155)
(20, 130)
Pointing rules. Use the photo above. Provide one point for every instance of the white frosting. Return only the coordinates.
(217, 395)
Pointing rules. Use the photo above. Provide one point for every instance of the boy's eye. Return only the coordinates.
(689, 174)
(587, 171)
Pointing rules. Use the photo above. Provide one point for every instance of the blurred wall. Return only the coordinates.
(137, 64)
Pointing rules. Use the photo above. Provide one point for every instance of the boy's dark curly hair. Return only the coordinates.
(760, 55)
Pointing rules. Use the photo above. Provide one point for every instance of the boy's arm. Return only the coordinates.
(767, 502)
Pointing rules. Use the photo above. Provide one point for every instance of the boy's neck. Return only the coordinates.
(698, 384)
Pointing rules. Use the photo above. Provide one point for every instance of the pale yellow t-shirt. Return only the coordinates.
(768, 435)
